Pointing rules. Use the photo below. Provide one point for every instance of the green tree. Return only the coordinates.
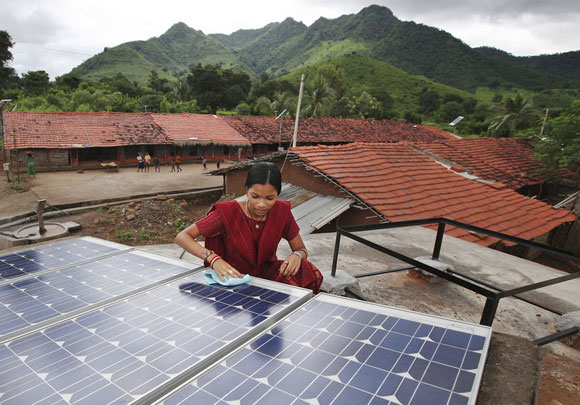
(277, 104)
(560, 146)
(182, 90)
(318, 97)
(429, 101)
(335, 78)
(451, 110)
(151, 103)
(7, 74)
(214, 87)
(518, 112)
(81, 97)
(412, 117)
(158, 84)
(122, 84)
(68, 81)
(366, 106)
(35, 82)
(343, 108)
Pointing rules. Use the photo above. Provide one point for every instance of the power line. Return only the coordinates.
(52, 49)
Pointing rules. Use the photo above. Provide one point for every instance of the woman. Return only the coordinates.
(30, 165)
(242, 237)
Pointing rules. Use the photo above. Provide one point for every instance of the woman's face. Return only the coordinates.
(261, 198)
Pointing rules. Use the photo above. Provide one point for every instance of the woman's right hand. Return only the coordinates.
(224, 269)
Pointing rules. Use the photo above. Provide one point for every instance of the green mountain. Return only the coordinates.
(563, 65)
(173, 53)
(376, 77)
(281, 48)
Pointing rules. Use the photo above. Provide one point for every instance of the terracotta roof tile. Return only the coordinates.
(403, 184)
(105, 129)
(266, 130)
(505, 160)
(198, 127)
(69, 130)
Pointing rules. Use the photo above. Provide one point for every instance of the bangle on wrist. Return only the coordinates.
(213, 260)
(298, 254)
(206, 254)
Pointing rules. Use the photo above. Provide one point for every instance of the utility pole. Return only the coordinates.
(298, 111)
(544, 123)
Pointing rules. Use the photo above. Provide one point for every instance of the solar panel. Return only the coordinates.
(109, 325)
(50, 295)
(134, 348)
(55, 255)
(337, 351)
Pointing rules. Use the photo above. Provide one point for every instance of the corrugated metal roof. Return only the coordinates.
(311, 210)
(319, 210)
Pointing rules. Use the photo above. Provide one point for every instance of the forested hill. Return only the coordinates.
(281, 48)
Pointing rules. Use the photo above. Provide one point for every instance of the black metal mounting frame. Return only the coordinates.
(492, 293)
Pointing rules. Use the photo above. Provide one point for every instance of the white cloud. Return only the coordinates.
(42, 30)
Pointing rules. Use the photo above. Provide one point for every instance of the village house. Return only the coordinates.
(70, 140)
(390, 182)
(65, 140)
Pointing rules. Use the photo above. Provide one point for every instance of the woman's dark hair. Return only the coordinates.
(265, 173)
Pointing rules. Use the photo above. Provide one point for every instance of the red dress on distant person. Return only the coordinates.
(250, 246)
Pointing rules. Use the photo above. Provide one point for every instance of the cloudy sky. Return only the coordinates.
(58, 35)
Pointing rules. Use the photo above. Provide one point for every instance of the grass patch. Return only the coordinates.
(180, 224)
(124, 236)
(145, 234)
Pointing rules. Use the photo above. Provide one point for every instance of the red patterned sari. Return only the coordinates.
(250, 246)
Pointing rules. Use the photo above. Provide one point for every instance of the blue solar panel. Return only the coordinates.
(51, 256)
(335, 351)
(37, 299)
(128, 349)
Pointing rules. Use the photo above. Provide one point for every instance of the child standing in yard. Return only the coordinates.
(178, 163)
(147, 161)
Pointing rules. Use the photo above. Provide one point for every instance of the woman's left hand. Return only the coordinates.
(290, 265)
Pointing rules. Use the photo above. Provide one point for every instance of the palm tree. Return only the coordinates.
(182, 89)
(318, 97)
(516, 110)
(277, 104)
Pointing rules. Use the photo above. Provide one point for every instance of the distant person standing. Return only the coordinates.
(30, 164)
(218, 162)
(147, 161)
(178, 163)
(140, 163)
(204, 161)
(172, 163)
(156, 164)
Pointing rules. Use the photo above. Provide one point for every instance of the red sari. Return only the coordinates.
(252, 250)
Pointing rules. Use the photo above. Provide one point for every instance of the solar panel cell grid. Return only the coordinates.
(125, 350)
(28, 302)
(330, 353)
(52, 256)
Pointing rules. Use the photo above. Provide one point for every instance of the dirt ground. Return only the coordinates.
(147, 222)
(560, 383)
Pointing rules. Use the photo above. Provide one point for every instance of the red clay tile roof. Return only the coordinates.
(181, 128)
(507, 160)
(403, 184)
(76, 130)
(266, 130)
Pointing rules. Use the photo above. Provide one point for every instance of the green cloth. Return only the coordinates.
(31, 168)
